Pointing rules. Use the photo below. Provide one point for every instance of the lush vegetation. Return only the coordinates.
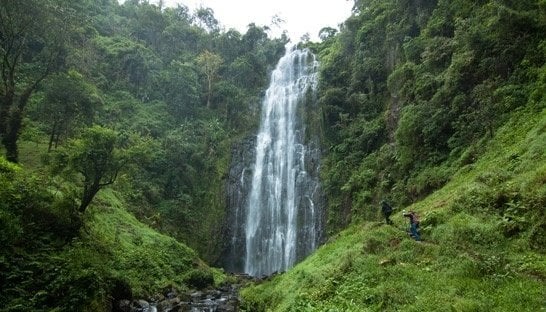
(412, 91)
(129, 84)
(439, 107)
(54, 257)
(483, 248)
(115, 112)
(117, 122)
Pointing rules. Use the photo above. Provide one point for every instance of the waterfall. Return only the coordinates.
(282, 222)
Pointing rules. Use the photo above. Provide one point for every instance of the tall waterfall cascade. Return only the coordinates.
(277, 218)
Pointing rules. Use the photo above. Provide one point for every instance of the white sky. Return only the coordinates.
(300, 16)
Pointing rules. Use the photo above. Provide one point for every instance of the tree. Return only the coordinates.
(32, 39)
(179, 85)
(127, 62)
(67, 98)
(254, 37)
(147, 22)
(206, 19)
(210, 64)
(96, 156)
(101, 153)
(327, 33)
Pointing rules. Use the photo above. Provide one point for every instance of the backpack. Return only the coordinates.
(386, 208)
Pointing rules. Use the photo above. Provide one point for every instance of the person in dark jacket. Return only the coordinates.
(387, 211)
(414, 224)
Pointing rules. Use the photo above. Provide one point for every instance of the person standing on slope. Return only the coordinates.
(414, 224)
(386, 209)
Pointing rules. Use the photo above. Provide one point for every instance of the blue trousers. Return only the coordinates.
(414, 230)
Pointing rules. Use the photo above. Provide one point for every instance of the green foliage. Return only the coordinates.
(415, 97)
(180, 89)
(95, 158)
(68, 99)
(115, 256)
(128, 64)
(34, 36)
(123, 100)
(135, 68)
(436, 78)
(199, 279)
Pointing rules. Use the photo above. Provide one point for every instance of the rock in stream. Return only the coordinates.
(222, 299)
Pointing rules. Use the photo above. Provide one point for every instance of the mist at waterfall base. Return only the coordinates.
(275, 202)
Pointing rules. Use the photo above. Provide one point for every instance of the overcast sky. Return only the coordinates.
(300, 16)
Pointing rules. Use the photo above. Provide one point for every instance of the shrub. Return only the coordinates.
(428, 180)
(199, 278)
(373, 246)
(10, 228)
(537, 237)
(489, 265)
(433, 218)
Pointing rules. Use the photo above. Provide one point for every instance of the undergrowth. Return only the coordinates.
(54, 259)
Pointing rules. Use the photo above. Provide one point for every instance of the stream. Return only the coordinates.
(222, 299)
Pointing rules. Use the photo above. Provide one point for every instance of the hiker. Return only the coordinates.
(387, 211)
(414, 224)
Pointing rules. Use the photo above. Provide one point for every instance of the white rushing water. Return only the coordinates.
(273, 231)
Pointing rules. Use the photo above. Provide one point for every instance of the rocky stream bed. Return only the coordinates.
(221, 299)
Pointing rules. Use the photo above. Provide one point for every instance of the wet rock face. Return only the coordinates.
(310, 192)
(238, 186)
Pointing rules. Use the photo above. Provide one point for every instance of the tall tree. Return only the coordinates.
(210, 64)
(99, 155)
(205, 19)
(179, 85)
(32, 39)
(67, 97)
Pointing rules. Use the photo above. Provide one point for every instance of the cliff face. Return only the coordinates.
(275, 204)
(238, 186)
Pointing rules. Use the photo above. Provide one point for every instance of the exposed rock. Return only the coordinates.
(237, 189)
(141, 306)
(222, 299)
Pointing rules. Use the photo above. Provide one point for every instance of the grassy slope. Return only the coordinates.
(130, 250)
(114, 245)
(114, 253)
(479, 231)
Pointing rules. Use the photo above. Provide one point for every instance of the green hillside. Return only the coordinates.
(482, 250)
(118, 122)
(117, 143)
(51, 260)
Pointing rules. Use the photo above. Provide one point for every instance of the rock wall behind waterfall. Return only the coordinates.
(307, 187)
(238, 186)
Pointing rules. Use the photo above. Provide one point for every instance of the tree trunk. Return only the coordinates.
(209, 93)
(12, 135)
(7, 102)
(14, 120)
(52, 136)
(89, 193)
(57, 139)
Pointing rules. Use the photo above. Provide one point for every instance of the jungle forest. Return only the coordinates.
(153, 160)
